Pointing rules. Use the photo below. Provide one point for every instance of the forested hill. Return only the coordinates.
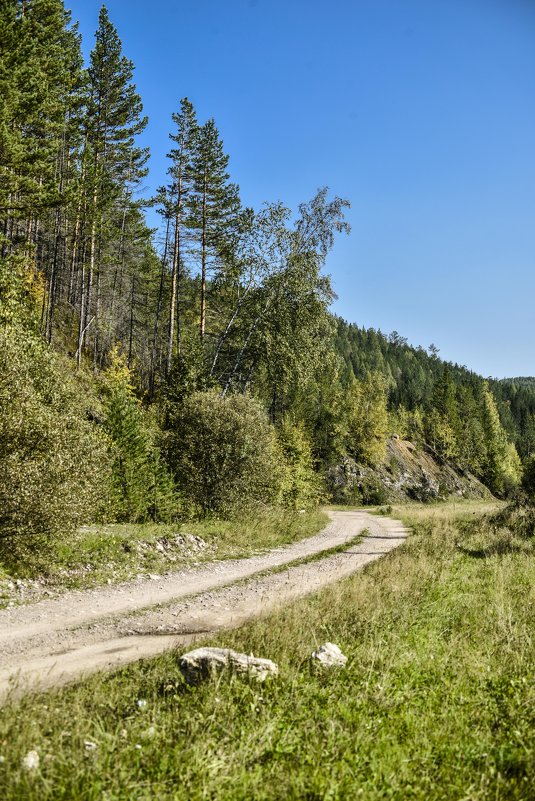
(412, 372)
(416, 377)
(519, 381)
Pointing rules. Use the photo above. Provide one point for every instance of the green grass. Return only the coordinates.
(437, 700)
(113, 553)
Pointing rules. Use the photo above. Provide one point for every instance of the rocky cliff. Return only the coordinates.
(408, 472)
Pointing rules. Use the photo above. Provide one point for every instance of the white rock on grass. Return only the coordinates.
(31, 761)
(202, 663)
(328, 655)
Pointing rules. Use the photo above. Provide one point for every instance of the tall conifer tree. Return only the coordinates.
(178, 195)
(115, 164)
(214, 207)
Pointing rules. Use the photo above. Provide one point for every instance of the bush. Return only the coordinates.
(224, 453)
(54, 465)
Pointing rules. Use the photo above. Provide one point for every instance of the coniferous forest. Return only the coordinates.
(195, 369)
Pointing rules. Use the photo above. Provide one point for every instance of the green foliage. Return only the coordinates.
(440, 435)
(408, 424)
(142, 486)
(461, 417)
(443, 422)
(37, 74)
(236, 300)
(301, 485)
(528, 478)
(295, 334)
(224, 453)
(114, 118)
(21, 293)
(109, 553)
(502, 468)
(516, 403)
(54, 467)
(365, 418)
(510, 530)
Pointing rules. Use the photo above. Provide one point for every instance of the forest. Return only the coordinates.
(195, 369)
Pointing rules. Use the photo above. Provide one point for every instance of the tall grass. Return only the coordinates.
(437, 700)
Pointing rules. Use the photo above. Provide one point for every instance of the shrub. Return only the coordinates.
(54, 466)
(224, 453)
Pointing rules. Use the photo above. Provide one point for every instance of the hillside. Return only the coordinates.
(413, 371)
(408, 472)
(415, 376)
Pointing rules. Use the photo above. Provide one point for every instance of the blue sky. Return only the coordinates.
(420, 112)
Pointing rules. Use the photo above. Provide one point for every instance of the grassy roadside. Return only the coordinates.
(113, 553)
(437, 701)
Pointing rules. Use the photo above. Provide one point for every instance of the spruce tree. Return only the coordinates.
(501, 470)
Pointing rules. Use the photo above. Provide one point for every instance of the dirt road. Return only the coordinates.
(56, 640)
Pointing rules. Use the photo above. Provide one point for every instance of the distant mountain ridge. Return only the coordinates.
(521, 381)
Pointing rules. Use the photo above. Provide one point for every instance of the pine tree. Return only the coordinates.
(501, 469)
(178, 195)
(214, 207)
(114, 165)
(40, 80)
(33, 84)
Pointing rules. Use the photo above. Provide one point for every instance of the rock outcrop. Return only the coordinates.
(407, 472)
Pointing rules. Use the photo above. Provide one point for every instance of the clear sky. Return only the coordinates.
(420, 112)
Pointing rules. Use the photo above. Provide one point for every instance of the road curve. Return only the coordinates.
(57, 640)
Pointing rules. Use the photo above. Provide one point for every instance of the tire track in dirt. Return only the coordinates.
(57, 640)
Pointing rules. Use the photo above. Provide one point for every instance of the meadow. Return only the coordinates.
(437, 700)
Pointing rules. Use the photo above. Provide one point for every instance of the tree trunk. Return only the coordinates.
(175, 268)
(158, 311)
(202, 328)
(131, 336)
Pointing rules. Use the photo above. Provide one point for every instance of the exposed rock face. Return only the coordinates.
(407, 472)
(328, 655)
(203, 663)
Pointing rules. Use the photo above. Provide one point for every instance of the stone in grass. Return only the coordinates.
(203, 663)
(328, 655)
